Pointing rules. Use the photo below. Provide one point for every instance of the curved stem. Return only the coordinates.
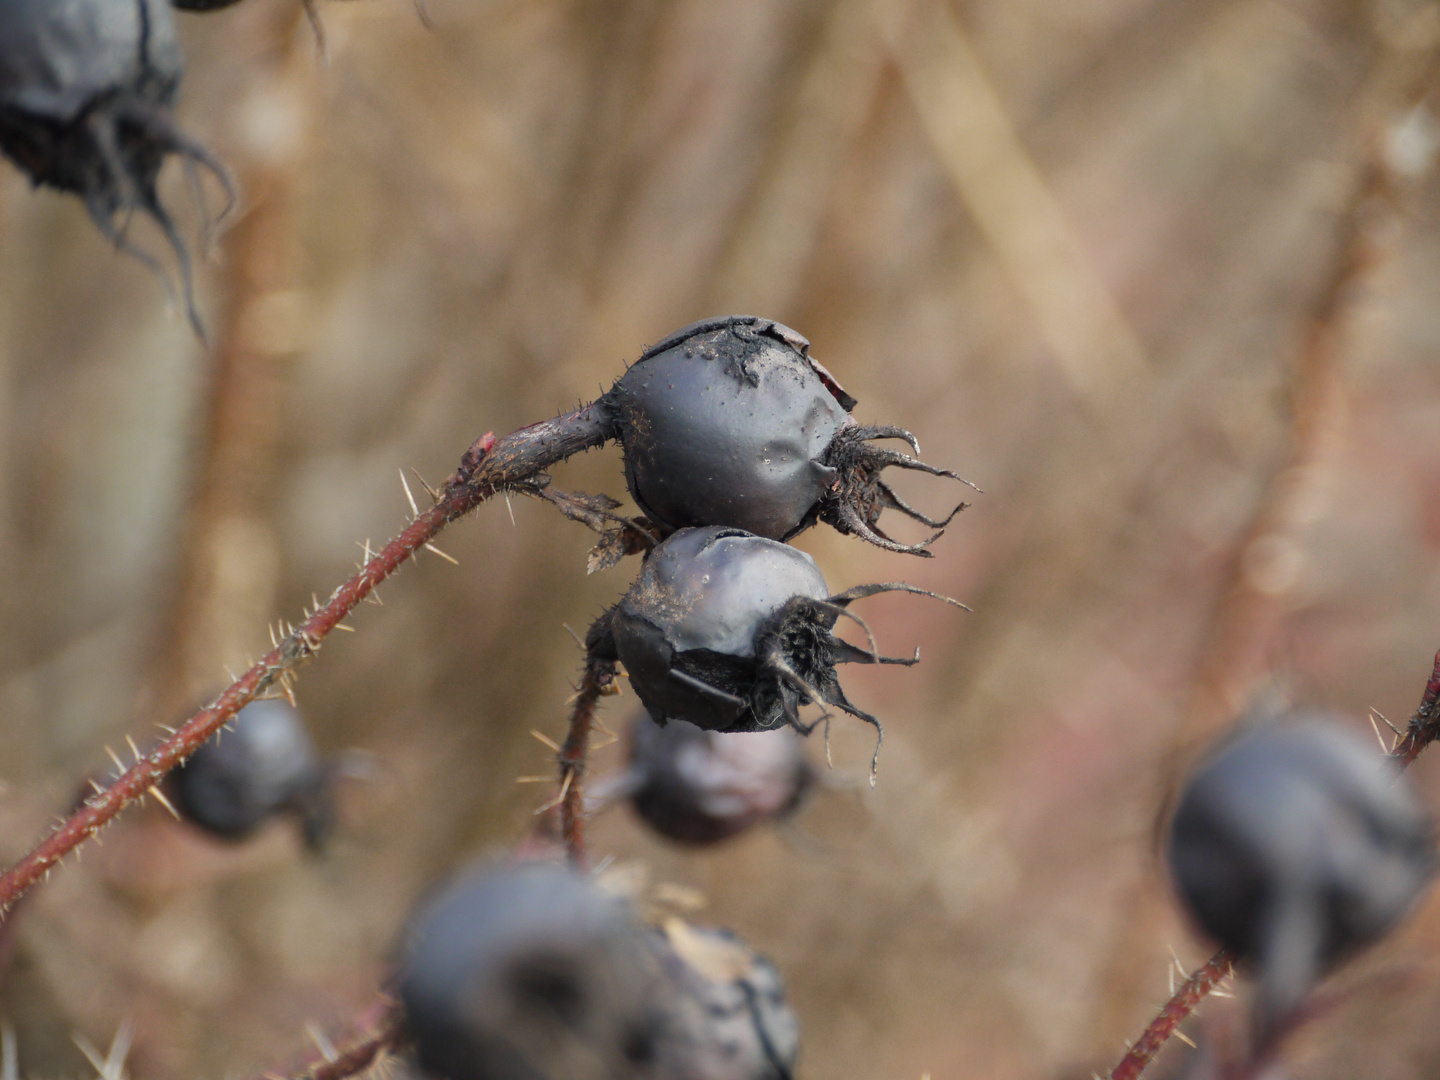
(1191, 992)
(598, 682)
(487, 467)
(378, 1030)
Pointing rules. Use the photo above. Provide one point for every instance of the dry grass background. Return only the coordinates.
(1081, 249)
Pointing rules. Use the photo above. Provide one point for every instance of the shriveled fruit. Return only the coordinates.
(732, 632)
(700, 787)
(264, 765)
(530, 972)
(730, 422)
(86, 88)
(1295, 845)
(729, 1019)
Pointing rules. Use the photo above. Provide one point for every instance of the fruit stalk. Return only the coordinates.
(597, 682)
(1191, 992)
(487, 467)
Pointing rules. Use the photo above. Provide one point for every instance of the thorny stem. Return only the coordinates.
(1192, 991)
(489, 466)
(598, 682)
(1423, 728)
(379, 1030)
(1424, 725)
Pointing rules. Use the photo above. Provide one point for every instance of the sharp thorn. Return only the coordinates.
(163, 801)
(414, 510)
(436, 551)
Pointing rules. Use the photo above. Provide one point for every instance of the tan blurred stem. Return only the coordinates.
(764, 263)
(1264, 567)
(229, 559)
(1253, 603)
(1014, 208)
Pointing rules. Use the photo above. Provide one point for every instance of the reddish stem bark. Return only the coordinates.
(379, 1029)
(1192, 991)
(598, 682)
(1424, 724)
(487, 467)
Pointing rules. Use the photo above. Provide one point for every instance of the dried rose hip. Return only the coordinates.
(700, 787)
(729, 1019)
(530, 972)
(732, 632)
(730, 422)
(86, 88)
(242, 777)
(1295, 845)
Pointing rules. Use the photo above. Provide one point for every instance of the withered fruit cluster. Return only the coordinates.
(735, 440)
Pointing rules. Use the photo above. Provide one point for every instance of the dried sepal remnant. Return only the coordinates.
(264, 765)
(731, 422)
(734, 632)
(1293, 846)
(619, 535)
(86, 89)
(858, 495)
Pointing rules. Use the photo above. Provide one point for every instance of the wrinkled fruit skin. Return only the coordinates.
(1295, 845)
(725, 423)
(729, 1019)
(86, 88)
(530, 972)
(264, 766)
(701, 787)
(692, 618)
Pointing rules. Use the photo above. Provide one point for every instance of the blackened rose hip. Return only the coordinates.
(531, 972)
(1295, 845)
(86, 88)
(730, 422)
(264, 766)
(732, 632)
(701, 787)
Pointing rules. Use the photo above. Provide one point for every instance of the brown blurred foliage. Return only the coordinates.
(1125, 263)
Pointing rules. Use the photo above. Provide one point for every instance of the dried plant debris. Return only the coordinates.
(733, 632)
(86, 90)
(729, 1019)
(731, 422)
(1295, 845)
(264, 765)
